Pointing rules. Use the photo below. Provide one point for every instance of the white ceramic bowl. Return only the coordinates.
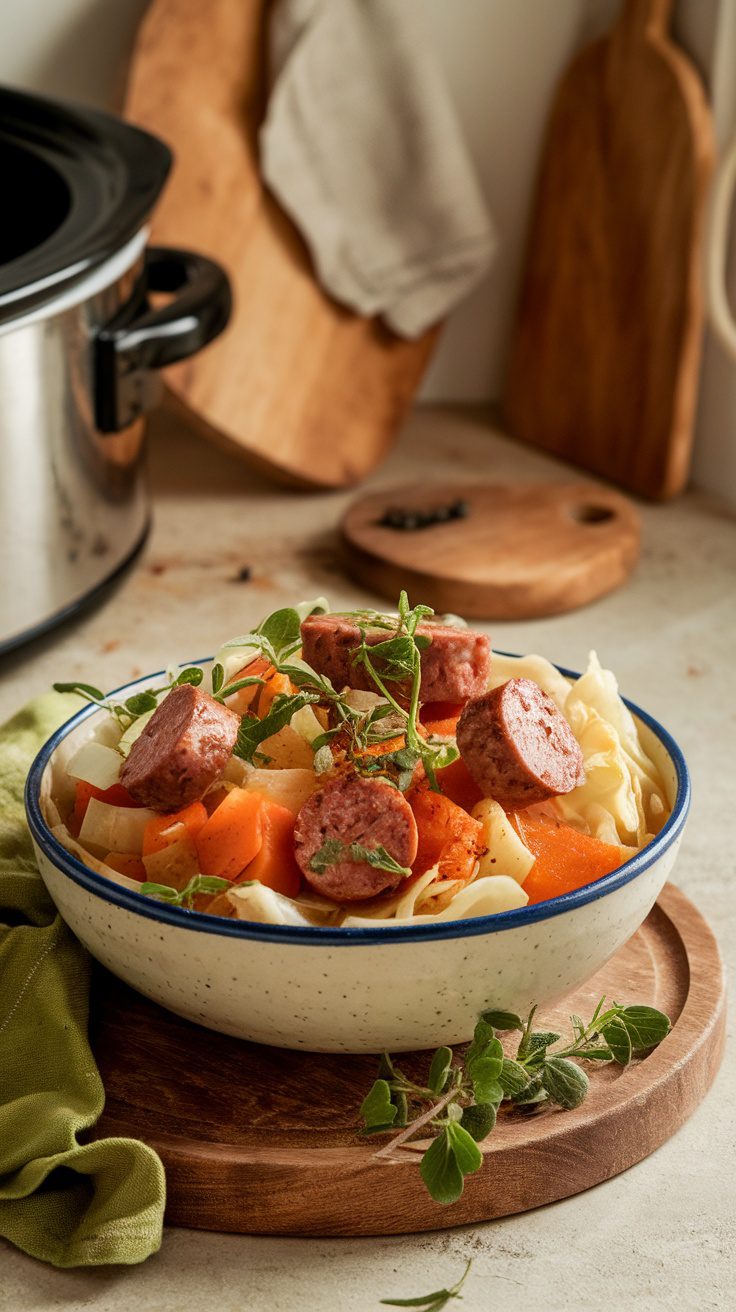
(352, 990)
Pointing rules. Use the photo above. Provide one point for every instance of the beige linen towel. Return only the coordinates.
(362, 148)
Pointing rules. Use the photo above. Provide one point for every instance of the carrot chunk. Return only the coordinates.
(258, 698)
(458, 784)
(276, 684)
(127, 863)
(432, 713)
(441, 822)
(155, 838)
(275, 864)
(232, 835)
(565, 859)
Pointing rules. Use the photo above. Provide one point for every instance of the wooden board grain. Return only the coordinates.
(305, 390)
(523, 551)
(261, 1141)
(605, 354)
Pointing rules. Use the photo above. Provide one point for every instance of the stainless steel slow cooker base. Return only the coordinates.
(73, 506)
(87, 601)
(81, 338)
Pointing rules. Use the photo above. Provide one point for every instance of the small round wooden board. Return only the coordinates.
(262, 1141)
(522, 550)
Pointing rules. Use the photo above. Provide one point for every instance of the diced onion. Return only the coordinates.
(289, 788)
(175, 864)
(114, 828)
(306, 724)
(95, 764)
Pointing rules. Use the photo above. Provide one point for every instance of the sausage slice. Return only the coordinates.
(454, 666)
(354, 810)
(518, 746)
(183, 749)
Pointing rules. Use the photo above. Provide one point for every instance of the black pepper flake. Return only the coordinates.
(244, 574)
(406, 520)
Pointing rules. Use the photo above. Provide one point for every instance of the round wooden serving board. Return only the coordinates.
(263, 1141)
(523, 550)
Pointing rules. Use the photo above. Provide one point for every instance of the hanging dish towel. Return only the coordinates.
(67, 1203)
(362, 148)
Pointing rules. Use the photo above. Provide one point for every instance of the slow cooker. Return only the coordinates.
(81, 338)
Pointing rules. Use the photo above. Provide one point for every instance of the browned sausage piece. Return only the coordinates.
(354, 810)
(183, 749)
(518, 746)
(455, 665)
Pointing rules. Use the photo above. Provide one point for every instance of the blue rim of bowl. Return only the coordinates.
(315, 935)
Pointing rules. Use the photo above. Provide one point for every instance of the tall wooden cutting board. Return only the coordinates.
(303, 388)
(605, 354)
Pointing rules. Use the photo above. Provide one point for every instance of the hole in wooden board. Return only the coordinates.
(588, 513)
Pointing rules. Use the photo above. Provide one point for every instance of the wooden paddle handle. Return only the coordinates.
(721, 315)
(644, 18)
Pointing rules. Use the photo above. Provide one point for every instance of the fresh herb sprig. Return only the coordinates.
(275, 640)
(435, 1301)
(397, 660)
(459, 1102)
(254, 731)
(139, 703)
(185, 897)
(394, 661)
(333, 851)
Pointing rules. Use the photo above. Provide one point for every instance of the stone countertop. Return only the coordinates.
(661, 1236)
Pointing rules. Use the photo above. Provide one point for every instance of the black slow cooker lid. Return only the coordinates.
(78, 184)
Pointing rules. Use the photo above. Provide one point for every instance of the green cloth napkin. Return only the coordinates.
(67, 1203)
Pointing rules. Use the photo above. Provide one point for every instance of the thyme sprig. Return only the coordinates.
(397, 660)
(394, 668)
(459, 1102)
(435, 1301)
(333, 850)
(185, 897)
(139, 703)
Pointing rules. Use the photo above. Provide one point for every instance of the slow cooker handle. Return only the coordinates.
(140, 339)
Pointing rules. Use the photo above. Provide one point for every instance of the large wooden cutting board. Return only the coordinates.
(304, 389)
(263, 1141)
(605, 354)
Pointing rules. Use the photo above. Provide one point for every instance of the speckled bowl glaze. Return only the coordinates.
(352, 990)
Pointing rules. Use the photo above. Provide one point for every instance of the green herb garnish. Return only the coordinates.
(139, 703)
(333, 851)
(185, 897)
(459, 1102)
(253, 732)
(398, 660)
(432, 1302)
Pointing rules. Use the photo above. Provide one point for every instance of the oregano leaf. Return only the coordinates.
(479, 1119)
(377, 1107)
(440, 1172)
(512, 1077)
(617, 1037)
(566, 1083)
(439, 1070)
(465, 1149)
(503, 1020)
(645, 1026)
